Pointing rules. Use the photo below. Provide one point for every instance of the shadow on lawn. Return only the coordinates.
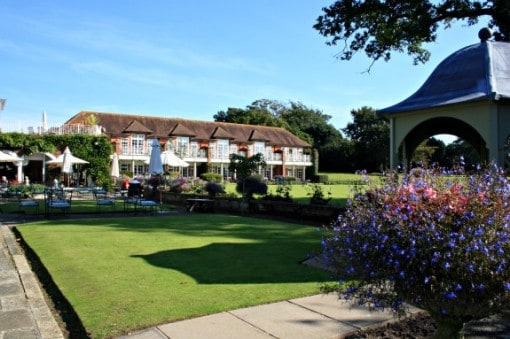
(238, 263)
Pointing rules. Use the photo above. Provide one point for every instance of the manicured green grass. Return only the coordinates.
(301, 193)
(123, 274)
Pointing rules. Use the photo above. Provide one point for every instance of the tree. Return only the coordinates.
(430, 152)
(370, 134)
(382, 27)
(310, 125)
(244, 167)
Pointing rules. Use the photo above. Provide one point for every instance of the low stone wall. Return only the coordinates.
(319, 213)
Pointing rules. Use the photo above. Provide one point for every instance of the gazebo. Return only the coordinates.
(467, 95)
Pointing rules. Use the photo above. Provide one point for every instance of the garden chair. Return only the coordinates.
(27, 203)
(102, 199)
(57, 199)
(135, 198)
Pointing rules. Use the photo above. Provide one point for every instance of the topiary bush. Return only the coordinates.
(440, 242)
(251, 185)
(213, 188)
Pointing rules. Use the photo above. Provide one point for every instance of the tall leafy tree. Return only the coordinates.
(380, 27)
(244, 167)
(370, 135)
(308, 124)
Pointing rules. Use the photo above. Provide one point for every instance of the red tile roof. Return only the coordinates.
(118, 124)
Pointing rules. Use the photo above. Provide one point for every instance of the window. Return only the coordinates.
(212, 149)
(233, 149)
(194, 149)
(268, 155)
(124, 146)
(170, 145)
(137, 143)
(124, 168)
(223, 149)
(259, 147)
(139, 169)
(182, 148)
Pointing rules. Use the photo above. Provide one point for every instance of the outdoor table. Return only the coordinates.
(200, 205)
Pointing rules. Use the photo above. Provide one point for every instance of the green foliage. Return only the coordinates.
(245, 166)
(317, 196)
(213, 188)
(321, 178)
(370, 135)
(282, 193)
(26, 191)
(24, 144)
(210, 176)
(95, 149)
(308, 124)
(251, 185)
(382, 27)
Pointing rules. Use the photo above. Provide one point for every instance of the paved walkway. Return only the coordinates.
(319, 316)
(24, 312)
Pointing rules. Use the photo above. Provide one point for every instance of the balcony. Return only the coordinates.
(58, 130)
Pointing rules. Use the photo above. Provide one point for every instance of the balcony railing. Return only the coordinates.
(60, 130)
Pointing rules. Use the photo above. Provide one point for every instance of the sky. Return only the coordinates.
(190, 59)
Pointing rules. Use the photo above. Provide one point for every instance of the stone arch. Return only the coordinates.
(443, 125)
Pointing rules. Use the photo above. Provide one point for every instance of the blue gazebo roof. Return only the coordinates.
(477, 72)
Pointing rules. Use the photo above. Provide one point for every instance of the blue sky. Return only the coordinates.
(189, 59)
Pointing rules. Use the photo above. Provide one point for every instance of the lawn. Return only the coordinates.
(301, 192)
(123, 274)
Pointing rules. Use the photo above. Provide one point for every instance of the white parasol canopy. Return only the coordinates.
(114, 170)
(169, 158)
(74, 160)
(9, 156)
(155, 165)
(67, 164)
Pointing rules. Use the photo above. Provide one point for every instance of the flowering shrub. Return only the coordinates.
(212, 188)
(438, 242)
(179, 185)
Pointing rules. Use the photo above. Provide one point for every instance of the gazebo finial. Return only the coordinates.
(484, 34)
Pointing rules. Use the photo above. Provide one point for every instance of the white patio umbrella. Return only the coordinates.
(67, 160)
(10, 156)
(169, 158)
(114, 170)
(155, 165)
(60, 159)
(67, 165)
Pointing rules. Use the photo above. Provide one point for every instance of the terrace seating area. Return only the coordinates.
(66, 201)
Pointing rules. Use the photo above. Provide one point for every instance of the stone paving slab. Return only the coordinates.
(354, 315)
(216, 326)
(289, 320)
